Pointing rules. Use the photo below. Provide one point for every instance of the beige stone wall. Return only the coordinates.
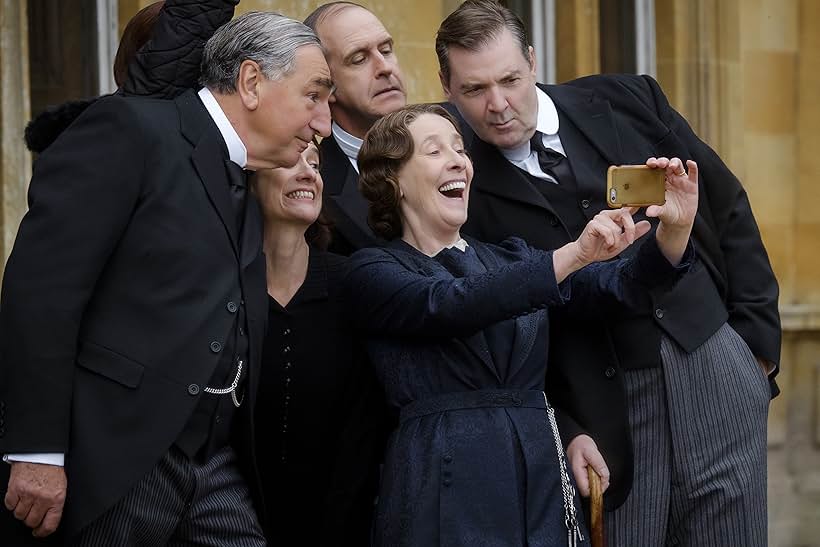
(807, 121)
(747, 75)
(15, 161)
(577, 39)
(412, 24)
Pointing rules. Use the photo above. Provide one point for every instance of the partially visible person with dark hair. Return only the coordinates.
(320, 414)
(134, 36)
(458, 333)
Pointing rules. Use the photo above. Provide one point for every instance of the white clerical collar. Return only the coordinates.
(349, 144)
(546, 123)
(236, 148)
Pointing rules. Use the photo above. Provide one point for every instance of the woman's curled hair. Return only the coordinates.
(386, 149)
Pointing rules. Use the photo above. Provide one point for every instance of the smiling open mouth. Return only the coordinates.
(454, 189)
(300, 194)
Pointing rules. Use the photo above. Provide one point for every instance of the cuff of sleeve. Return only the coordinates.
(652, 268)
(45, 458)
(561, 292)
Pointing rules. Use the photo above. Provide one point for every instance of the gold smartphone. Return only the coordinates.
(635, 186)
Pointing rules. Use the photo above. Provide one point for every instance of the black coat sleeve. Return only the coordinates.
(169, 63)
(387, 297)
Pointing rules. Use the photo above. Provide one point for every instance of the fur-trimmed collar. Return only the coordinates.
(49, 124)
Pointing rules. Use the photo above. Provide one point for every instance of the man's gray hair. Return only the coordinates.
(270, 39)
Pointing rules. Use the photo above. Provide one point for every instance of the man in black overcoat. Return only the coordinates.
(133, 303)
(669, 403)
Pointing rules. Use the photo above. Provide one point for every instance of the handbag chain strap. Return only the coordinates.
(574, 534)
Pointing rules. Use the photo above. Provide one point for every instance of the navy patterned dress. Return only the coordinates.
(459, 342)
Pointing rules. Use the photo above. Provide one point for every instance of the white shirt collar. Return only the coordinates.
(461, 245)
(349, 144)
(546, 123)
(236, 148)
(547, 113)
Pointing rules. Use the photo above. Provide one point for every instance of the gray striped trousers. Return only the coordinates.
(699, 437)
(181, 502)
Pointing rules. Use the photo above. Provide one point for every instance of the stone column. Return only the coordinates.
(14, 114)
(577, 40)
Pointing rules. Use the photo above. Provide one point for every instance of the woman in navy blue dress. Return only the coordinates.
(457, 331)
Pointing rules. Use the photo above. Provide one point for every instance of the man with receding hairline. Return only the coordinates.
(369, 84)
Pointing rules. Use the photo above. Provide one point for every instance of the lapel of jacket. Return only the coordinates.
(333, 176)
(345, 205)
(252, 229)
(208, 158)
(591, 115)
(494, 174)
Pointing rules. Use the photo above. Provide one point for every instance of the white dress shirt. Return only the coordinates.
(523, 156)
(349, 144)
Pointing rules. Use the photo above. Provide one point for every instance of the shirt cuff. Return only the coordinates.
(51, 458)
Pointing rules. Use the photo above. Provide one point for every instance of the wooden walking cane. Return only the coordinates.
(596, 509)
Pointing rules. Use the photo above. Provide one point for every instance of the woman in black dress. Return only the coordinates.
(458, 335)
(319, 411)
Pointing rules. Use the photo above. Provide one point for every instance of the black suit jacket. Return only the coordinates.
(624, 119)
(118, 286)
(342, 201)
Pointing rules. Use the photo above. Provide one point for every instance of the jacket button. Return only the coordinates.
(232, 307)
(553, 220)
(286, 332)
(447, 482)
(286, 350)
(659, 313)
(448, 458)
(193, 389)
(216, 347)
(585, 203)
(609, 372)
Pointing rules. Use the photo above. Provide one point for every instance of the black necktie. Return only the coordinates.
(238, 181)
(552, 162)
